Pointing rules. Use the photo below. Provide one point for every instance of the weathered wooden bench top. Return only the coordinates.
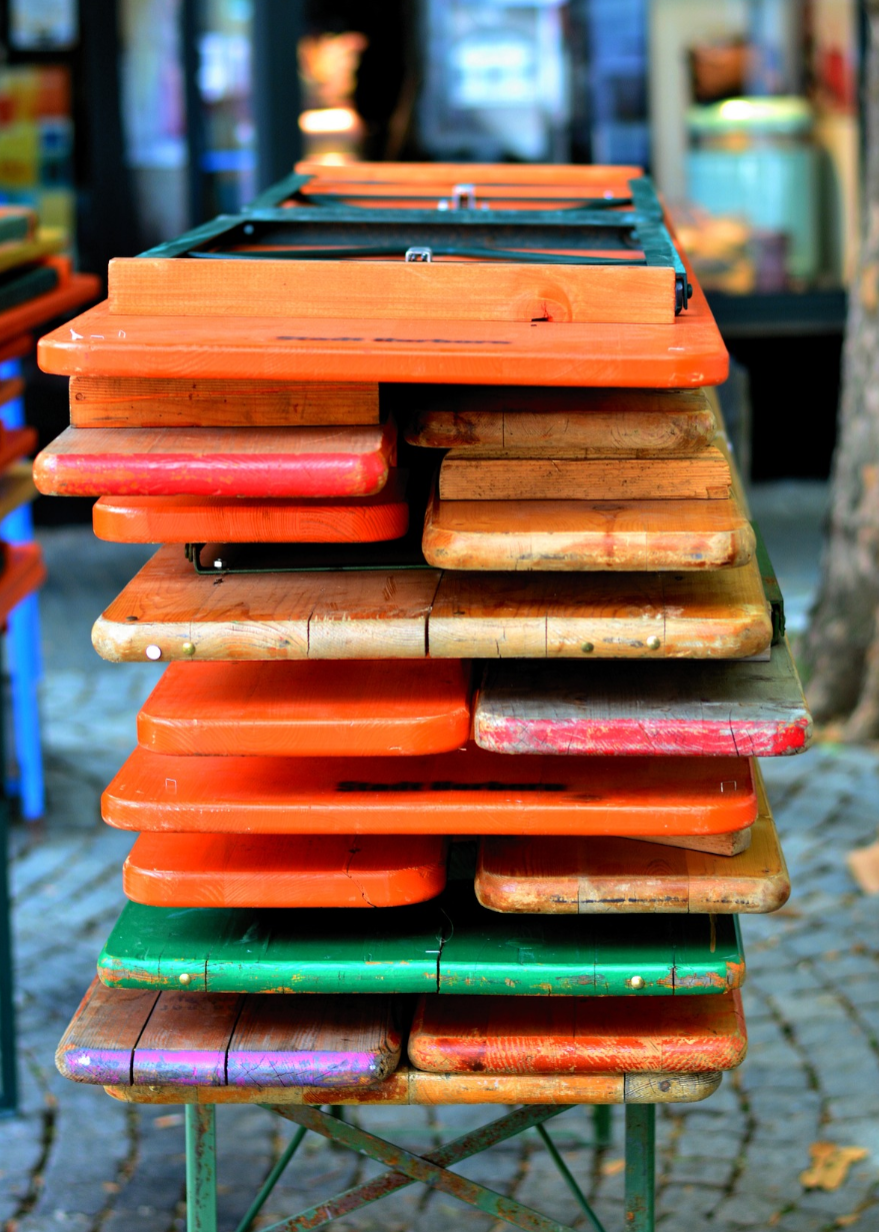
(23, 572)
(579, 535)
(465, 792)
(608, 875)
(449, 945)
(256, 462)
(290, 1048)
(345, 708)
(241, 519)
(694, 709)
(280, 870)
(406, 614)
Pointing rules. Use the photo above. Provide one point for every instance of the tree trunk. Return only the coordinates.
(841, 652)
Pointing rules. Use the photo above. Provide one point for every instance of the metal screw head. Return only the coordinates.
(653, 643)
(184, 978)
(587, 648)
(637, 981)
(188, 649)
(153, 652)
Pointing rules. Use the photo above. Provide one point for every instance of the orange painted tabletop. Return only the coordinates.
(215, 519)
(687, 353)
(572, 1035)
(253, 462)
(279, 870)
(465, 792)
(345, 708)
(71, 293)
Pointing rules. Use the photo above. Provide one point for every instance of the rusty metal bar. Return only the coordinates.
(201, 1168)
(430, 1170)
(640, 1167)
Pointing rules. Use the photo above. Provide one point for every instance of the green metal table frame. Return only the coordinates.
(406, 1168)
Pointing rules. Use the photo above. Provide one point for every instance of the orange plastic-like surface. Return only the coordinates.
(361, 707)
(14, 444)
(467, 792)
(245, 870)
(72, 292)
(573, 1035)
(262, 462)
(685, 354)
(213, 519)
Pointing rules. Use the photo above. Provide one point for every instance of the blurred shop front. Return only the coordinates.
(132, 120)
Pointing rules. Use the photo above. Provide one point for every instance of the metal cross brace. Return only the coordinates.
(407, 1168)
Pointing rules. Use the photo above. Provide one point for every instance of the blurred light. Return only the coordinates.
(329, 120)
(737, 109)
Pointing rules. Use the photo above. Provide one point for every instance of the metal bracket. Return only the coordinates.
(419, 254)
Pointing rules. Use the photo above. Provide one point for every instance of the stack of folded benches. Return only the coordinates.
(386, 760)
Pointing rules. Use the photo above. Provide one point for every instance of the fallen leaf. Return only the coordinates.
(613, 1167)
(830, 1165)
(846, 1221)
(863, 864)
(166, 1122)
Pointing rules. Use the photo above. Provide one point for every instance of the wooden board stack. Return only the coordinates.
(323, 786)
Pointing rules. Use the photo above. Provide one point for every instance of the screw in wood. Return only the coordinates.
(184, 978)
(188, 649)
(153, 652)
(653, 643)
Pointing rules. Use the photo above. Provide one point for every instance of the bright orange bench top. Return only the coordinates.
(466, 792)
(359, 707)
(278, 870)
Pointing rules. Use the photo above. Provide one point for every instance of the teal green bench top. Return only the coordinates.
(450, 944)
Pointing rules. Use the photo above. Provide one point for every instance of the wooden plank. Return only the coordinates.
(253, 870)
(406, 613)
(579, 535)
(322, 1041)
(731, 844)
(230, 462)
(186, 1039)
(15, 253)
(372, 615)
(241, 519)
(10, 387)
(568, 1035)
(559, 876)
(409, 1086)
(749, 709)
(23, 573)
(466, 792)
(441, 178)
(686, 354)
(560, 422)
(479, 476)
(450, 945)
(99, 1043)
(360, 708)
(16, 487)
(440, 290)
(716, 614)
(130, 402)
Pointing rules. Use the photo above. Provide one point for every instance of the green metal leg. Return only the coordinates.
(271, 1180)
(640, 1167)
(201, 1168)
(601, 1126)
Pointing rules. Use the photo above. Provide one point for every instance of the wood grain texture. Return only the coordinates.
(24, 573)
(408, 1086)
(716, 614)
(449, 945)
(227, 1042)
(440, 290)
(506, 1035)
(240, 519)
(581, 535)
(466, 792)
(690, 709)
(571, 876)
(686, 354)
(477, 476)
(16, 487)
(359, 708)
(243, 870)
(374, 615)
(129, 402)
(230, 462)
(730, 844)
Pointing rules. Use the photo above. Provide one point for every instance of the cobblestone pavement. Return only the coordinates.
(76, 1159)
